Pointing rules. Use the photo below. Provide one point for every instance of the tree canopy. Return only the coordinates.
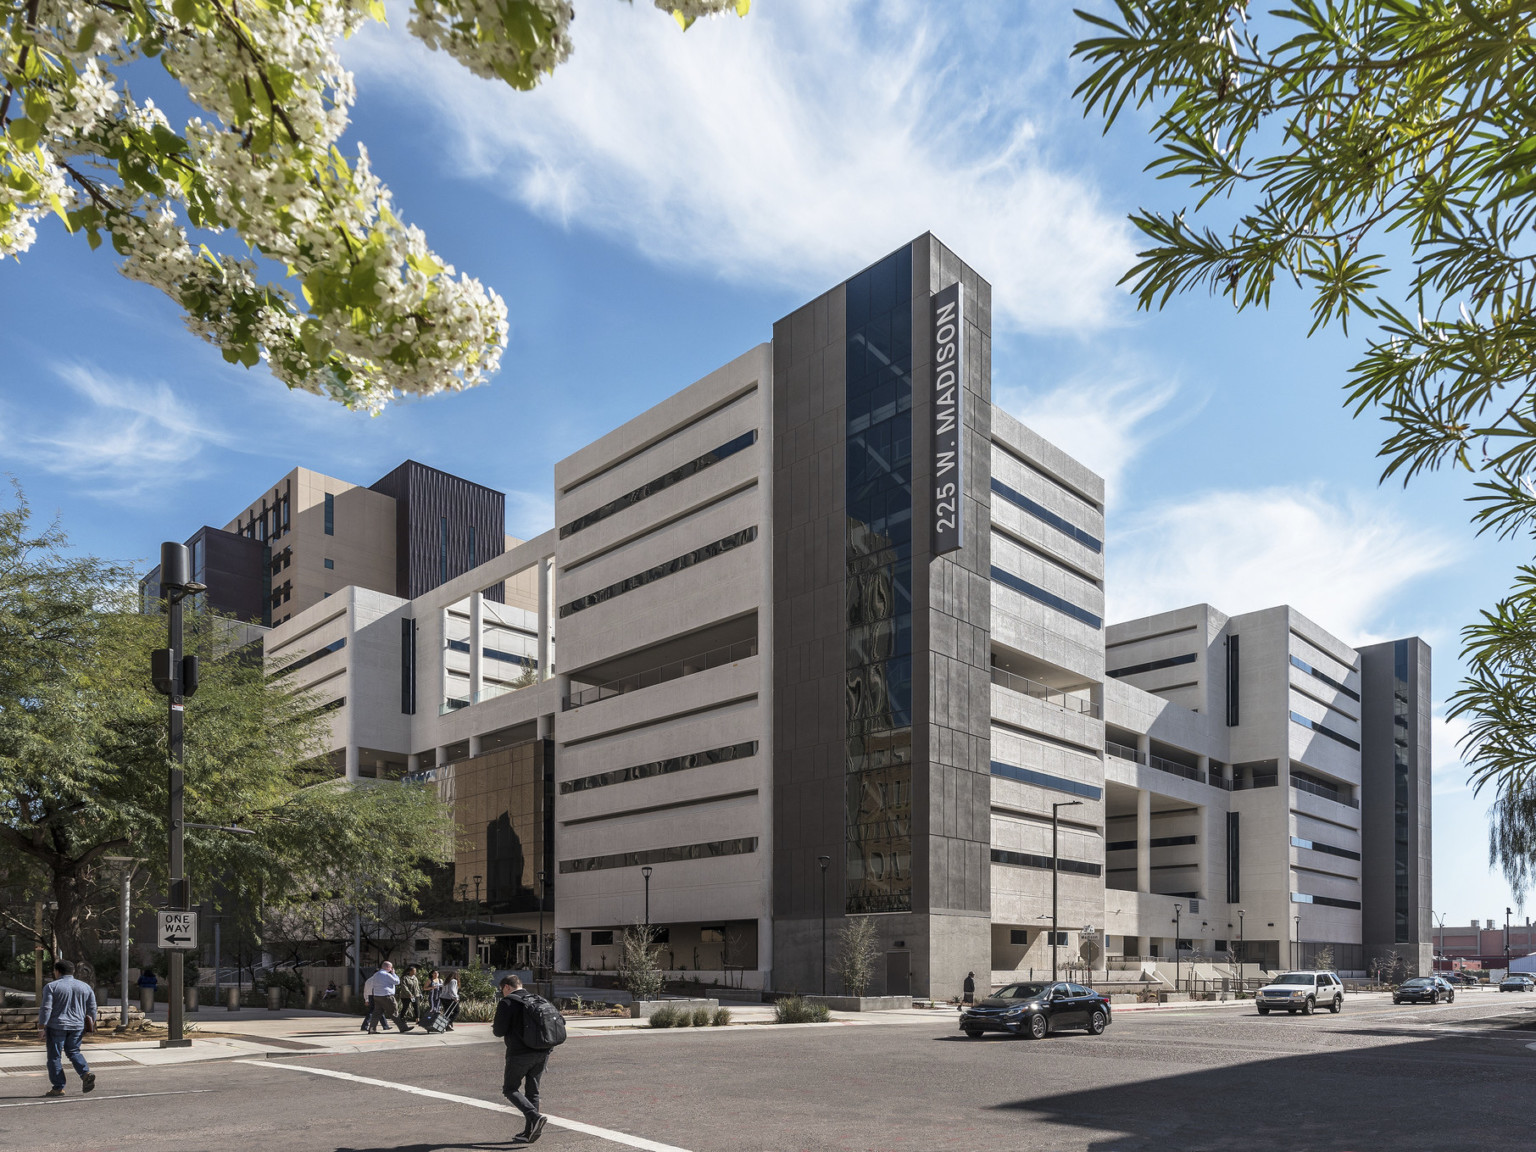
(84, 760)
(1379, 156)
(332, 290)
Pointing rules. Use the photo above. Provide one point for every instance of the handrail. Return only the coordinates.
(714, 658)
(1123, 752)
(1162, 764)
(1061, 698)
(1325, 793)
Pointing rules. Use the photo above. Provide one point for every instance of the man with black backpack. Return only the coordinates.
(531, 1027)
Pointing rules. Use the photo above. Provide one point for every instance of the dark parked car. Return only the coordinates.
(1460, 979)
(1517, 983)
(1037, 1010)
(1424, 990)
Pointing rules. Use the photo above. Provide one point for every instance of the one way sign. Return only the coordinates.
(177, 931)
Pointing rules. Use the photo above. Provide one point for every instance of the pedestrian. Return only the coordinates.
(147, 979)
(65, 1013)
(370, 989)
(970, 988)
(530, 1026)
(408, 996)
(448, 999)
(384, 983)
(330, 992)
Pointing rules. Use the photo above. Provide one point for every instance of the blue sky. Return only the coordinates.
(653, 207)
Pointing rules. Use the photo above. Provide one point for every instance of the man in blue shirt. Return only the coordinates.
(62, 1013)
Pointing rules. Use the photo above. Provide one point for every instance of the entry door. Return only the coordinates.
(898, 973)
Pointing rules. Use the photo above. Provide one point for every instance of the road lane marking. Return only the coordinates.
(609, 1134)
(91, 1099)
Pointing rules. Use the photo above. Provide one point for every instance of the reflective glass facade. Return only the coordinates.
(1402, 809)
(878, 587)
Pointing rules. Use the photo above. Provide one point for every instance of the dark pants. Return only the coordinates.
(66, 1042)
(384, 1009)
(524, 1068)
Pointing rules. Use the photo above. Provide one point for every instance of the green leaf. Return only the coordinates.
(24, 132)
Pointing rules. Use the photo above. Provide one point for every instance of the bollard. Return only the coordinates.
(274, 999)
(309, 995)
(146, 1000)
(192, 998)
(234, 998)
(346, 997)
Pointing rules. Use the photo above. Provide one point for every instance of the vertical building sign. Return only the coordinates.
(948, 473)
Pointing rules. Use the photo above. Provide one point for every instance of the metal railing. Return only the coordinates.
(676, 669)
(1023, 685)
(1162, 764)
(1123, 752)
(1325, 793)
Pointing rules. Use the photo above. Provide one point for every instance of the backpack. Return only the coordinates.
(543, 1026)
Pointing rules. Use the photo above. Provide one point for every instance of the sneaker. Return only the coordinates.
(88, 1081)
(536, 1129)
(54, 1092)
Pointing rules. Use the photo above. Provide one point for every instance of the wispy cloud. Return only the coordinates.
(1339, 558)
(1103, 417)
(792, 147)
(529, 513)
(121, 436)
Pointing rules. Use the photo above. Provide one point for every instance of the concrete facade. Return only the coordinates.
(773, 706)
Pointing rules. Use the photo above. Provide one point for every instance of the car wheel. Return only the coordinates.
(1434, 997)
(1307, 1008)
(1037, 1027)
(1337, 1006)
(1263, 1011)
(973, 1033)
(1395, 1000)
(1097, 1023)
(1450, 997)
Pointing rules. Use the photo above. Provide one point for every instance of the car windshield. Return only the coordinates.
(1020, 991)
(1296, 978)
(1416, 982)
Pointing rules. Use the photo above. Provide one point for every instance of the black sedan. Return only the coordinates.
(1517, 983)
(1036, 1010)
(1423, 990)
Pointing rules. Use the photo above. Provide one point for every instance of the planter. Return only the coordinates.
(863, 1003)
(642, 1009)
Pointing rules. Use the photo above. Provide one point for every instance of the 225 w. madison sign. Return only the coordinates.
(947, 333)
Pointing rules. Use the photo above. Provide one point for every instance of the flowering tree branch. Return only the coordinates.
(333, 291)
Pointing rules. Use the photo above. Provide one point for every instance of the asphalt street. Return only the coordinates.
(1375, 1076)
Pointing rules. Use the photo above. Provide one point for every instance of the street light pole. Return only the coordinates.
(1297, 961)
(823, 861)
(175, 675)
(539, 952)
(1242, 951)
(1507, 913)
(1056, 875)
(1178, 910)
(646, 872)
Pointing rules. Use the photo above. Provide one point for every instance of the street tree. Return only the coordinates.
(277, 246)
(1378, 156)
(84, 759)
(640, 962)
(857, 949)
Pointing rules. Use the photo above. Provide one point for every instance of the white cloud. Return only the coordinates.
(129, 435)
(529, 513)
(792, 147)
(1339, 560)
(1449, 774)
(1099, 417)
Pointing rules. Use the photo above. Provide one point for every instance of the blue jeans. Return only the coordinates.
(65, 1042)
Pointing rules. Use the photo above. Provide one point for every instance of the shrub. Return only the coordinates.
(701, 1017)
(639, 972)
(475, 982)
(664, 1018)
(477, 1011)
(798, 1010)
(722, 1017)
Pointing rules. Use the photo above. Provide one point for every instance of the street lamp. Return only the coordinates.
(823, 861)
(1440, 950)
(175, 675)
(646, 872)
(1178, 910)
(539, 951)
(1298, 940)
(1507, 913)
(1056, 875)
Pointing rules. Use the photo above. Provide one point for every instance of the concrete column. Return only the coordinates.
(1143, 841)
(1144, 748)
(765, 949)
(546, 572)
(440, 755)
(352, 762)
(476, 649)
(544, 726)
(474, 745)
(413, 762)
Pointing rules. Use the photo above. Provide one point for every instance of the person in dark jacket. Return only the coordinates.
(970, 988)
(525, 1065)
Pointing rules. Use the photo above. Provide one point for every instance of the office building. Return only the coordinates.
(831, 643)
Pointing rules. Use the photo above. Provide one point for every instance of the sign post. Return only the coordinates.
(947, 477)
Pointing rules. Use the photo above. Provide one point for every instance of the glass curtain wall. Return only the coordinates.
(1401, 809)
(878, 587)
